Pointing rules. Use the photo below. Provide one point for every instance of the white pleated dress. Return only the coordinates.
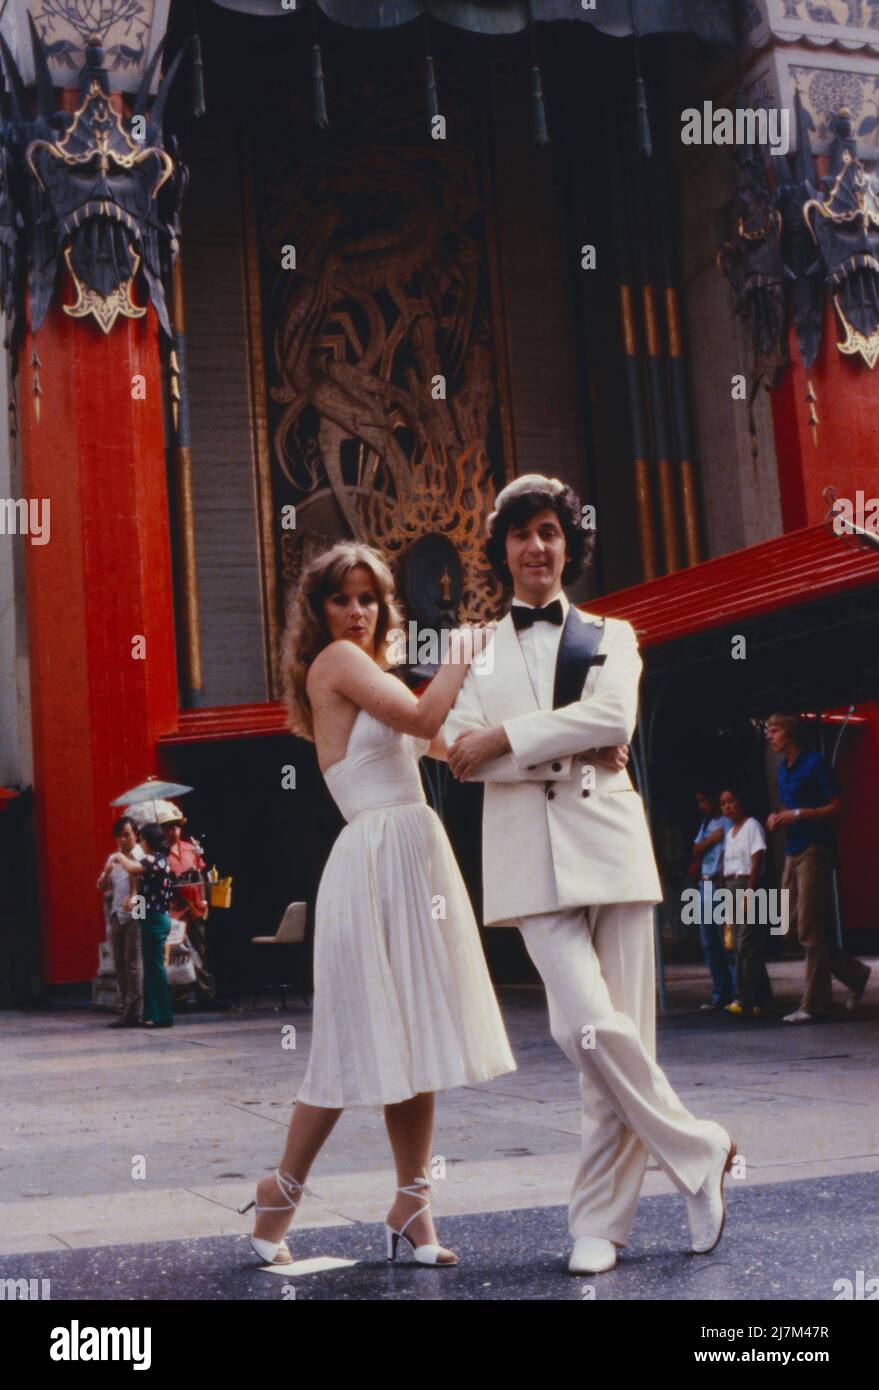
(403, 1002)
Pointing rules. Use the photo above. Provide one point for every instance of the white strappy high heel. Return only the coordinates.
(424, 1254)
(274, 1253)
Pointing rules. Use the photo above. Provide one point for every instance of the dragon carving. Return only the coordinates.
(380, 335)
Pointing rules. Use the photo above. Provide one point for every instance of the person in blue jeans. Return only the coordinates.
(708, 856)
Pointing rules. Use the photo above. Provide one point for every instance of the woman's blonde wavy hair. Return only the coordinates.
(306, 632)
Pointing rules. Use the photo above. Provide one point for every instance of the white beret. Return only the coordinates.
(528, 482)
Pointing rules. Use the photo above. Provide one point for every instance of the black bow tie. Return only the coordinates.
(526, 617)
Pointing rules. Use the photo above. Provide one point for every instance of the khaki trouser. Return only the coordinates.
(808, 878)
(125, 940)
(598, 968)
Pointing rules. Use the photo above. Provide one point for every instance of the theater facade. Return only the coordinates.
(278, 273)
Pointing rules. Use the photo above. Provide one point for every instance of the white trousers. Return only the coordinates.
(597, 964)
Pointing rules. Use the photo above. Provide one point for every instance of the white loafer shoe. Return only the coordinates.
(592, 1255)
(706, 1208)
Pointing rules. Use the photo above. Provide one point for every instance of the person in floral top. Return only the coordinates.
(155, 889)
(189, 904)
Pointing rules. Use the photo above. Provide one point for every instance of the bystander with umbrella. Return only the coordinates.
(156, 890)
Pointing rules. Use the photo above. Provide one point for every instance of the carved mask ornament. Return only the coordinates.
(101, 184)
(774, 277)
(845, 225)
(103, 192)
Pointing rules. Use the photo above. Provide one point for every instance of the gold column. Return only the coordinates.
(689, 497)
(259, 430)
(184, 508)
(500, 330)
(670, 538)
(641, 468)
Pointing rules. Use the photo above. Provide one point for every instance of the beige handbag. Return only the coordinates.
(179, 956)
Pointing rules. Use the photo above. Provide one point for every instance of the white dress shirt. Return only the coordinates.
(540, 648)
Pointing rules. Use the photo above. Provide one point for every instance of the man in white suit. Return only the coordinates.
(567, 857)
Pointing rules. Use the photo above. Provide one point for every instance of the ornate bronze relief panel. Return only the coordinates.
(382, 406)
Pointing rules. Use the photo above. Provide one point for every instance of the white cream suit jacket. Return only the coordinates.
(558, 831)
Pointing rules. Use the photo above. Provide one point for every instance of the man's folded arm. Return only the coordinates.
(604, 719)
(468, 714)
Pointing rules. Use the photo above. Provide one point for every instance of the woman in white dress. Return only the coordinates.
(403, 1003)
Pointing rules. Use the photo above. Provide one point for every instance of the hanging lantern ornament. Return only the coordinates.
(538, 110)
(645, 142)
(318, 90)
(198, 102)
(430, 76)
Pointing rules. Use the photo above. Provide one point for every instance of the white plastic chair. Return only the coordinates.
(291, 933)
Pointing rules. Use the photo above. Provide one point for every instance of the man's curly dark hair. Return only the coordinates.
(580, 542)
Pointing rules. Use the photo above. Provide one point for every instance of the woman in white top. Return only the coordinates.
(744, 850)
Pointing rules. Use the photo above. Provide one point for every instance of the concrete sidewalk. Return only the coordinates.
(128, 1137)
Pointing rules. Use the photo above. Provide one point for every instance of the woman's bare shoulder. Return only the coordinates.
(334, 657)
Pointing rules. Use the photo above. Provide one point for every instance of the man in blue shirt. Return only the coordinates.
(708, 859)
(808, 793)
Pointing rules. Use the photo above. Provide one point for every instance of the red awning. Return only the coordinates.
(800, 567)
(227, 721)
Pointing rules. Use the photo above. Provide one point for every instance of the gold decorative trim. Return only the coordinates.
(189, 574)
(36, 385)
(105, 308)
(667, 506)
(689, 496)
(641, 468)
(174, 373)
(506, 408)
(436, 506)
(692, 533)
(139, 153)
(812, 402)
(105, 119)
(651, 322)
(627, 318)
(644, 506)
(855, 343)
(185, 506)
(259, 431)
(673, 315)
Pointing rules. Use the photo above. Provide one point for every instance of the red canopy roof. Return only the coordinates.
(800, 567)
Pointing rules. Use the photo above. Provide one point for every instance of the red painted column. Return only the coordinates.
(104, 578)
(858, 841)
(845, 451)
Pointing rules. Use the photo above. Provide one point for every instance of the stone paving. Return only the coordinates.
(201, 1110)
